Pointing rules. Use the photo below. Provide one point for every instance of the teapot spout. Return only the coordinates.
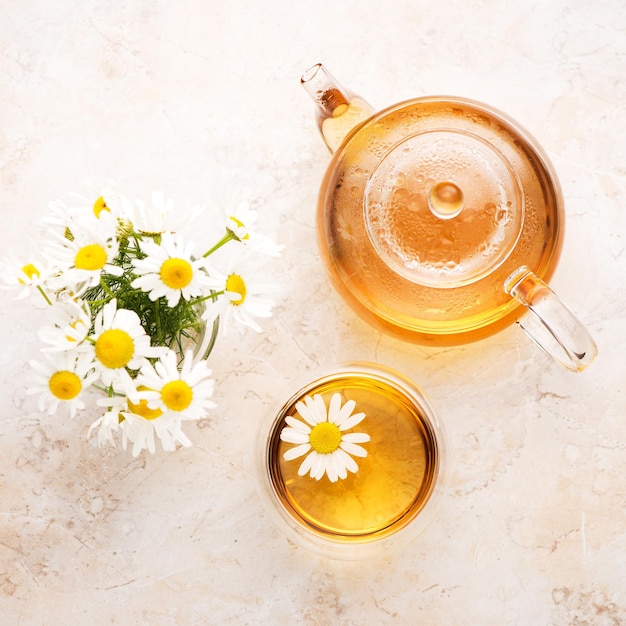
(338, 110)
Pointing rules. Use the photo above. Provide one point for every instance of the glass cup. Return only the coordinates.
(384, 494)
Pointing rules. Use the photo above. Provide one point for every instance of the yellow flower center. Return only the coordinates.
(74, 326)
(29, 270)
(325, 437)
(99, 206)
(143, 410)
(239, 223)
(176, 395)
(114, 348)
(90, 257)
(64, 385)
(236, 284)
(176, 273)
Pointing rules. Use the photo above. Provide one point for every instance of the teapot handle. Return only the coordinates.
(550, 323)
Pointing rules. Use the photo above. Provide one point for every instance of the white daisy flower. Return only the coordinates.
(138, 424)
(120, 343)
(106, 425)
(109, 423)
(141, 431)
(158, 216)
(186, 392)
(324, 438)
(241, 222)
(99, 211)
(72, 323)
(170, 271)
(25, 275)
(61, 379)
(82, 260)
(239, 292)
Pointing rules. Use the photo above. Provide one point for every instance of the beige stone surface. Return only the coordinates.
(202, 100)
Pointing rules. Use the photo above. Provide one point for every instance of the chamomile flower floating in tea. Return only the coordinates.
(322, 435)
(127, 298)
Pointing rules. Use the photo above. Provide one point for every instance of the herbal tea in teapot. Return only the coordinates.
(433, 213)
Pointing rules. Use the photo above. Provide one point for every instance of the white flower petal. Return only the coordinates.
(356, 437)
(344, 413)
(308, 462)
(332, 470)
(319, 408)
(297, 424)
(319, 466)
(346, 460)
(341, 468)
(352, 421)
(305, 412)
(334, 409)
(353, 449)
(293, 435)
(298, 451)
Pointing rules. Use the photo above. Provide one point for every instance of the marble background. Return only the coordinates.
(202, 100)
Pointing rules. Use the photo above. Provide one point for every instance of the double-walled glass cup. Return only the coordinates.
(392, 482)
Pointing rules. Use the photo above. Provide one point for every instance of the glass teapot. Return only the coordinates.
(440, 221)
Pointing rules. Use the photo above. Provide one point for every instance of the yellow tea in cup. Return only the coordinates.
(377, 491)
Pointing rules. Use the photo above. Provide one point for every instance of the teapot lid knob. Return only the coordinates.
(445, 200)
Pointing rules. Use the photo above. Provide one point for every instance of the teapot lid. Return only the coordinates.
(443, 207)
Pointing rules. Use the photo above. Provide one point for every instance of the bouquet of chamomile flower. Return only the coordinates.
(133, 311)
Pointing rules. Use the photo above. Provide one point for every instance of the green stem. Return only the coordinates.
(106, 288)
(108, 390)
(136, 239)
(157, 317)
(212, 296)
(43, 293)
(96, 303)
(229, 236)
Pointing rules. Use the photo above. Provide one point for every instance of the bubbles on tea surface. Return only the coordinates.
(501, 214)
(398, 181)
(395, 280)
(355, 192)
(440, 209)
